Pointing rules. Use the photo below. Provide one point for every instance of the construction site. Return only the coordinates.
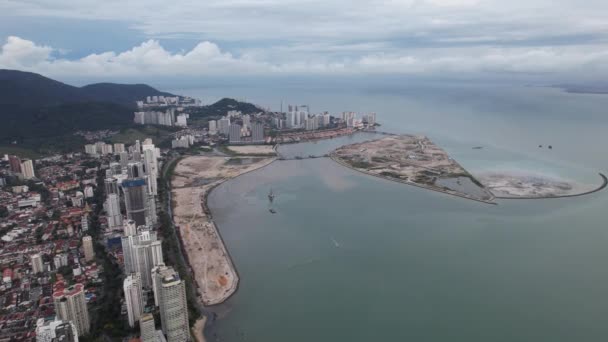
(413, 160)
(194, 177)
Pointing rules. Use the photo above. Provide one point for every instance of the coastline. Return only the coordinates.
(210, 262)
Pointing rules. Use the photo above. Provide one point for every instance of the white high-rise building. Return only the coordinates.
(87, 246)
(133, 298)
(27, 169)
(156, 251)
(159, 272)
(127, 253)
(246, 121)
(118, 148)
(147, 328)
(182, 120)
(302, 121)
(84, 222)
(70, 305)
(55, 331)
(37, 264)
(174, 308)
(124, 159)
(129, 228)
(257, 133)
(151, 166)
(141, 253)
(326, 119)
(90, 149)
(289, 120)
(212, 127)
(235, 133)
(113, 210)
(224, 125)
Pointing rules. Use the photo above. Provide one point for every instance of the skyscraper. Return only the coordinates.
(15, 164)
(158, 273)
(129, 228)
(118, 148)
(113, 210)
(235, 133)
(37, 265)
(212, 127)
(133, 298)
(111, 186)
(246, 121)
(27, 169)
(151, 217)
(141, 253)
(127, 253)
(257, 133)
(151, 169)
(147, 253)
(124, 158)
(87, 246)
(135, 199)
(55, 331)
(173, 308)
(70, 305)
(224, 125)
(135, 170)
(147, 328)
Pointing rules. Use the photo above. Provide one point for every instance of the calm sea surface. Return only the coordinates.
(348, 257)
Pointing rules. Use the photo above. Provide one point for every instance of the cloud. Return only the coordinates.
(19, 52)
(269, 37)
(206, 58)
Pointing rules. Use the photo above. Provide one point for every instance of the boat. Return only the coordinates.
(478, 147)
(270, 196)
(272, 211)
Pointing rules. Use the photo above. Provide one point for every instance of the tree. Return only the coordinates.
(3, 211)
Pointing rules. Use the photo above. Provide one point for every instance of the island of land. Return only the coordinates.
(413, 160)
(194, 177)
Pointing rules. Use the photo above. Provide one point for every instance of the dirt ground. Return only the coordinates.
(194, 176)
(410, 159)
(515, 186)
(253, 149)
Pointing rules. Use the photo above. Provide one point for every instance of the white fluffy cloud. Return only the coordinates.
(558, 37)
(206, 58)
(19, 52)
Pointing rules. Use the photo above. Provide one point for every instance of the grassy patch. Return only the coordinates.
(129, 135)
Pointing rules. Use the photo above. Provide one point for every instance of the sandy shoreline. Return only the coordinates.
(194, 177)
(197, 329)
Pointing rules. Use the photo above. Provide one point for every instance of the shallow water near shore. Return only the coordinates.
(348, 257)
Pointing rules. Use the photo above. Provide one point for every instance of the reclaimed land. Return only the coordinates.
(194, 178)
(413, 160)
(510, 187)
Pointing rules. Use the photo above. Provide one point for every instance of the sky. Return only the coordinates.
(541, 40)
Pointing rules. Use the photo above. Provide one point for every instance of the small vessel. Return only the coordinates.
(335, 242)
(478, 147)
(272, 211)
(271, 196)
